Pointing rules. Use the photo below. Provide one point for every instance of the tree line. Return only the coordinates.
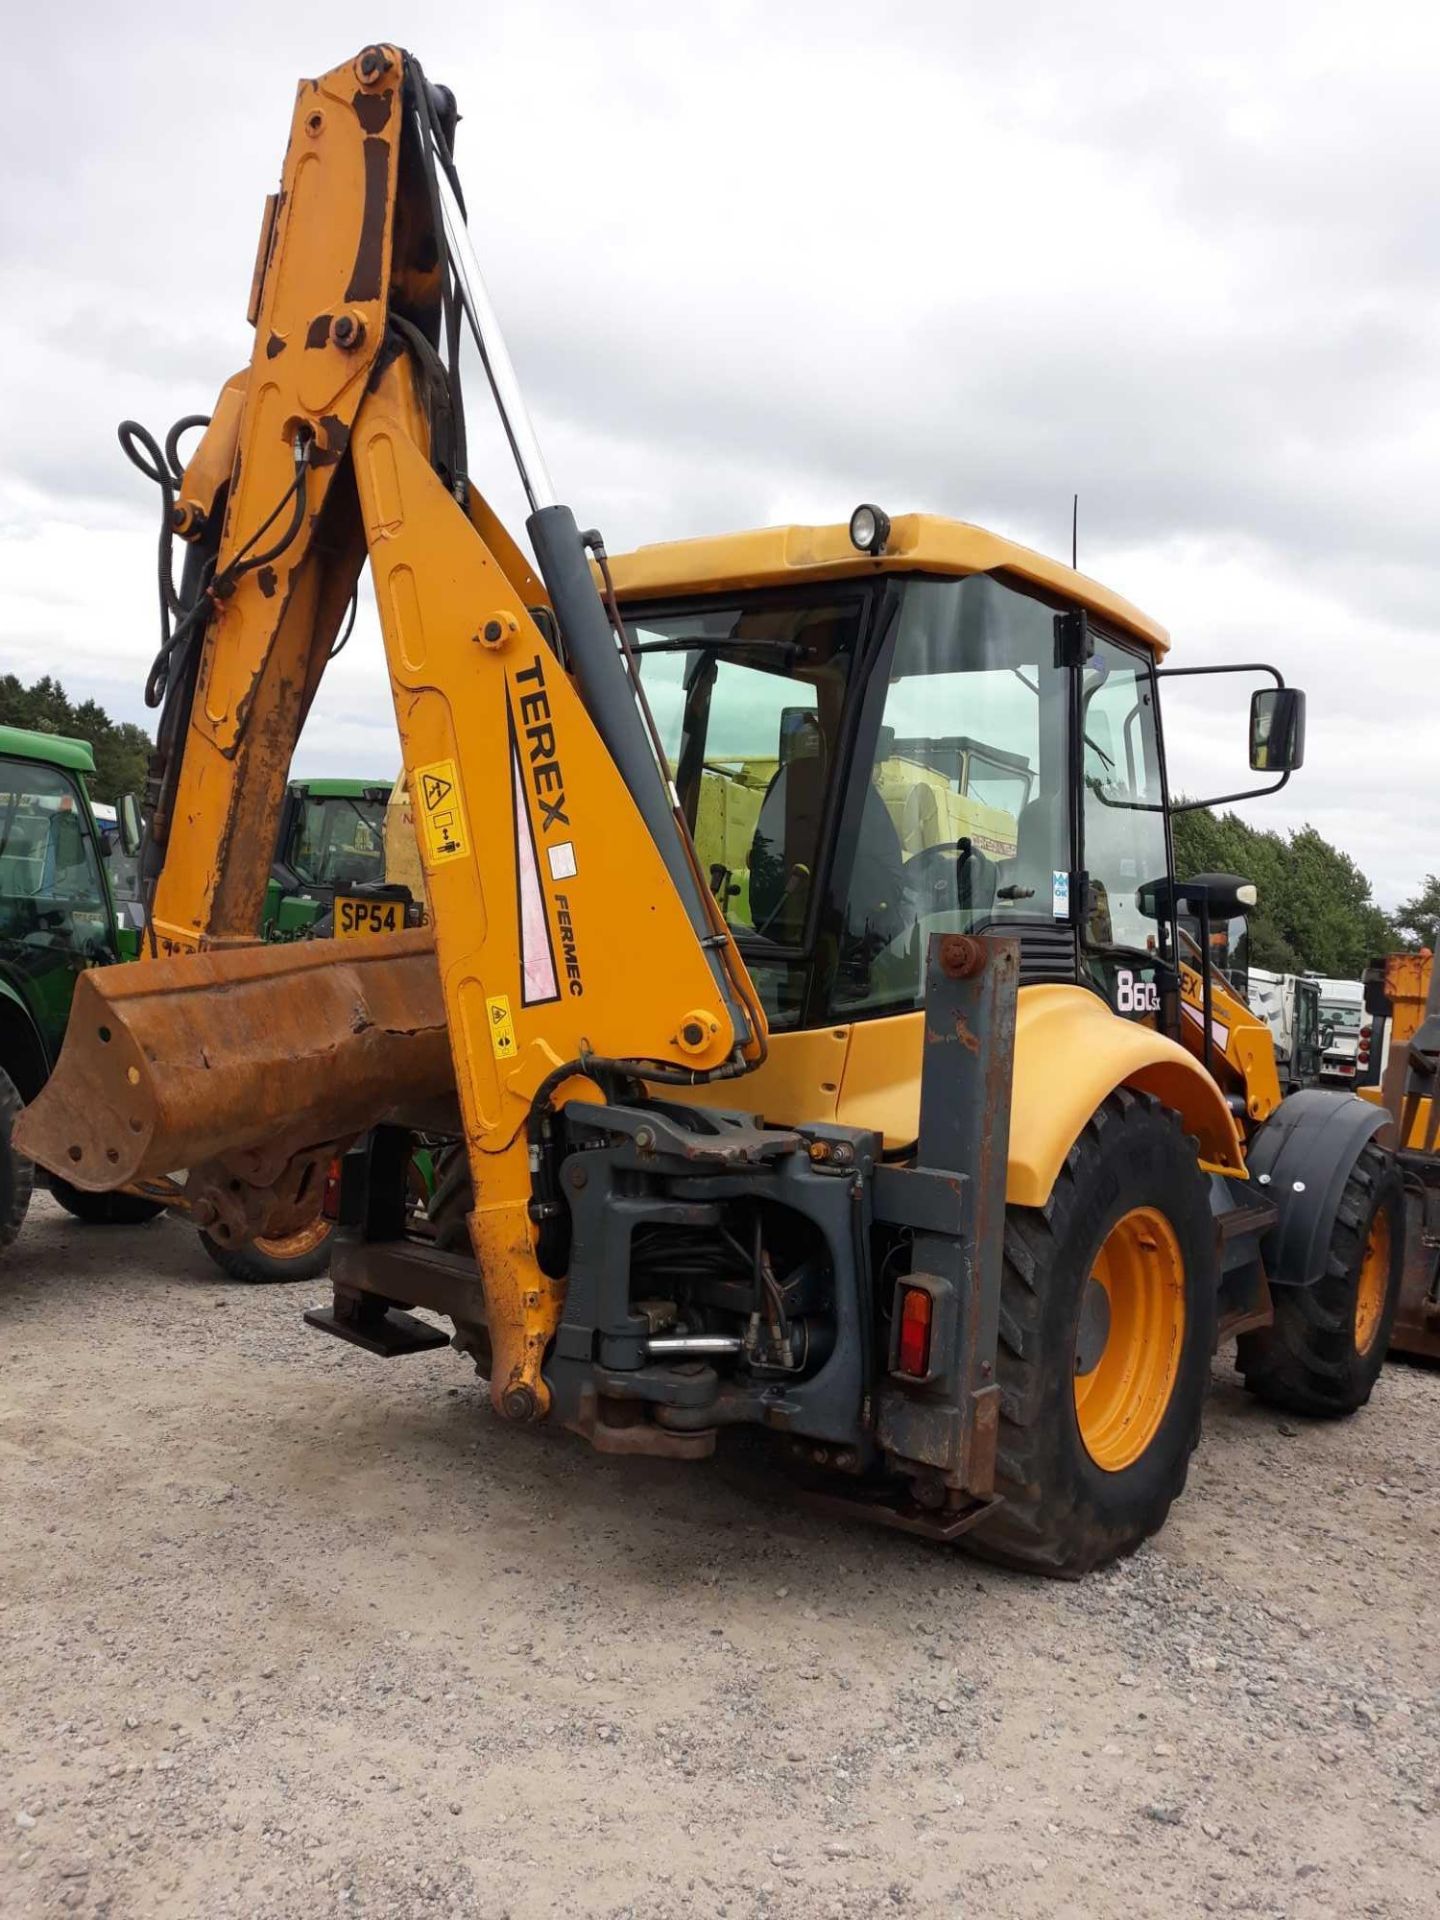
(122, 750)
(1315, 912)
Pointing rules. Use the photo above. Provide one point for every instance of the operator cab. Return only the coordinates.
(869, 756)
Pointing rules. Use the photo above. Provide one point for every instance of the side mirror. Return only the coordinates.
(1228, 896)
(127, 814)
(1277, 730)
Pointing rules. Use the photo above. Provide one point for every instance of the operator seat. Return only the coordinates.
(786, 844)
(783, 848)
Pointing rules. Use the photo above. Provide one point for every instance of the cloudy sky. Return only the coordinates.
(758, 262)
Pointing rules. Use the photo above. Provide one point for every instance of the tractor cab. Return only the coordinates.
(332, 836)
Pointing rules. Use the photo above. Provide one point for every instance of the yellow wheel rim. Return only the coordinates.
(1127, 1348)
(291, 1246)
(1374, 1282)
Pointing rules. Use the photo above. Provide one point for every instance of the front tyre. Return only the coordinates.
(17, 1174)
(103, 1209)
(1325, 1347)
(1107, 1326)
(304, 1255)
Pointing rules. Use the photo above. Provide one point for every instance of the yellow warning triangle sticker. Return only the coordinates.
(435, 790)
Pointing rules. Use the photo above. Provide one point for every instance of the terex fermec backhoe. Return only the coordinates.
(803, 953)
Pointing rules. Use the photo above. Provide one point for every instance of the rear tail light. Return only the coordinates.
(913, 1348)
(330, 1194)
(1362, 1051)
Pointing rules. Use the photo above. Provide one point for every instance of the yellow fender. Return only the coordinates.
(1071, 1052)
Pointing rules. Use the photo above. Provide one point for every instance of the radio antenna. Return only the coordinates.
(1075, 533)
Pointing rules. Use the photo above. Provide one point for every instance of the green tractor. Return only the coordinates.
(57, 917)
(65, 906)
(331, 841)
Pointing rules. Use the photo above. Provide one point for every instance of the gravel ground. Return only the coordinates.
(291, 1631)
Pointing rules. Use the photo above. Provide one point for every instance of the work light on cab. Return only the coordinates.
(869, 529)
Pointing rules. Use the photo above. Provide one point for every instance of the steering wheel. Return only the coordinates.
(936, 870)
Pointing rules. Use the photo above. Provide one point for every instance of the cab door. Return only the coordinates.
(55, 913)
(1307, 1033)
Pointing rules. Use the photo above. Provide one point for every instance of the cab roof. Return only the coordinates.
(918, 543)
(340, 789)
(55, 749)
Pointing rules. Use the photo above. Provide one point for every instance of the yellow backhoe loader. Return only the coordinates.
(1404, 989)
(802, 992)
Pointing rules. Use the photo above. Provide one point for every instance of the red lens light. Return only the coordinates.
(914, 1345)
(330, 1195)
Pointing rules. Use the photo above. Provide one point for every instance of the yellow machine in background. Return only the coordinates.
(1405, 989)
(802, 998)
(403, 865)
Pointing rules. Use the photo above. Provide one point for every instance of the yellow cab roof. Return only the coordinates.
(918, 543)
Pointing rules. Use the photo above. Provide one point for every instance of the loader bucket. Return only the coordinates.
(173, 1063)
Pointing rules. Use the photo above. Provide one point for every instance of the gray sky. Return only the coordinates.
(758, 262)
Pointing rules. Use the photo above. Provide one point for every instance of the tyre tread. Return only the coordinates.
(1048, 1530)
(1305, 1361)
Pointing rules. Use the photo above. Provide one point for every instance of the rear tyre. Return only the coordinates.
(1323, 1351)
(296, 1256)
(17, 1174)
(1107, 1326)
(103, 1209)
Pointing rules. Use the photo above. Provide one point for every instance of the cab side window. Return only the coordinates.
(51, 885)
(1124, 842)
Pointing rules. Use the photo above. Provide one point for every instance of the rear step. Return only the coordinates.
(369, 1323)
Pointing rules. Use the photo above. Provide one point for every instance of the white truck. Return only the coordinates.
(1345, 1032)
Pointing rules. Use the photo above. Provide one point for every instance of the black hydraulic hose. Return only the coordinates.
(221, 584)
(143, 450)
(545, 1202)
(593, 1066)
(349, 628)
(430, 120)
(172, 441)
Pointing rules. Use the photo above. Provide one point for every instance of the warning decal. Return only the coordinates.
(441, 821)
(502, 1027)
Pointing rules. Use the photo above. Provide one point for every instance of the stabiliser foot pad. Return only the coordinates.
(389, 1334)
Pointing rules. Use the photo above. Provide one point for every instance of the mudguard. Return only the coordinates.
(1071, 1052)
(1301, 1158)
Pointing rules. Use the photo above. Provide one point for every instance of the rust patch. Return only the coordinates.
(965, 1035)
(267, 582)
(273, 346)
(372, 110)
(317, 334)
(961, 956)
(332, 441)
(285, 1067)
(370, 250)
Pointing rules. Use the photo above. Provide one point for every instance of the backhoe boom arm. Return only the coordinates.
(570, 923)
